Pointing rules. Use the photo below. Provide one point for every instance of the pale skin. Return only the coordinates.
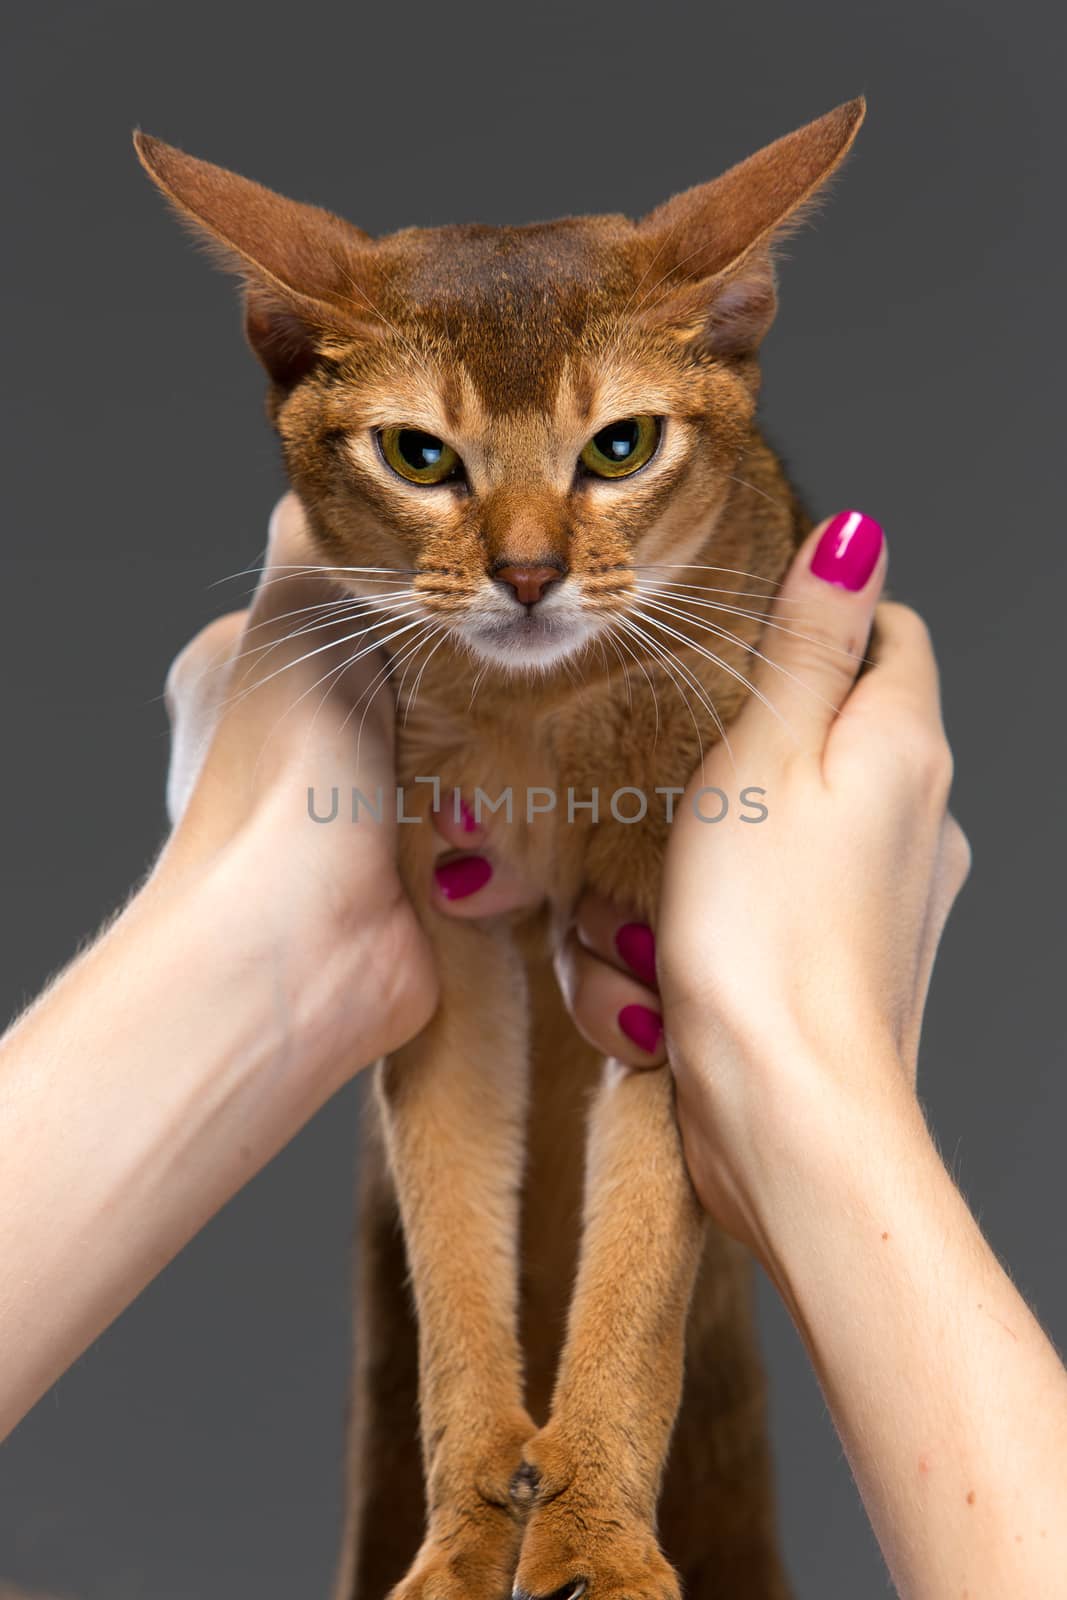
(265, 960)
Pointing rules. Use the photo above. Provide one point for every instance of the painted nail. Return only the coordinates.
(463, 876)
(636, 944)
(467, 817)
(848, 551)
(642, 1026)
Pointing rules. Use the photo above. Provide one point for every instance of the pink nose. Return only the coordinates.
(529, 583)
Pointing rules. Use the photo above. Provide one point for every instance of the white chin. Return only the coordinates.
(527, 644)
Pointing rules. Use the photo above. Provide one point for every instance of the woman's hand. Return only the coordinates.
(267, 707)
(792, 956)
(795, 955)
(266, 959)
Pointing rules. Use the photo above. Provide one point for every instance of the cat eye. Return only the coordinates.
(419, 457)
(621, 447)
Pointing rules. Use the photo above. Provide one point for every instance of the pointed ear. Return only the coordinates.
(300, 265)
(712, 247)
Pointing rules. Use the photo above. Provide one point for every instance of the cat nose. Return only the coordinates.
(529, 583)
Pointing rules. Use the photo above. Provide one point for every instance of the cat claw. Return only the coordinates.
(570, 1591)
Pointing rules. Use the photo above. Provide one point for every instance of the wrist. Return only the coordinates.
(777, 1134)
(828, 1173)
(232, 954)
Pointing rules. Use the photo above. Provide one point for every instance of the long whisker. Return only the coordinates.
(352, 602)
(607, 639)
(707, 566)
(479, 675)
(338, 613)
(382, 677)
(713, 656)
(299, 611)
(709, 655)
(321, 567)
(336, 610)
(332, 673)
(616, 643)
(664, 592)
(389, 664)
(444, 631)
(673, 667)
(775, 499)
(725, 589)
(331, 644)
(409, 662)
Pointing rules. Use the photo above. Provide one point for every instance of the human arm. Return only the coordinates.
(792, 964)
(264, 960)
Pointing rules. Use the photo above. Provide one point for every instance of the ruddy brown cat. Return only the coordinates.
(512, 445)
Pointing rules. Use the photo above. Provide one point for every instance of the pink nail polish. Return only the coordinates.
(848, 551)
(636, 944)
(467, 817)
(464, 876)
(642, 1026)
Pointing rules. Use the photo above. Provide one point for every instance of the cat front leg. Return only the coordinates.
(454, 1105)
(590, 1479)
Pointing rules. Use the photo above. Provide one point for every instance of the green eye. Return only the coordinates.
(621, 447)
(419, 457)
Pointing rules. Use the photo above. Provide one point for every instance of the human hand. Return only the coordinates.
(266, 705)
(794, 956)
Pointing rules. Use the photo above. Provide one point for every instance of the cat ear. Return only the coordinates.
(300, 265)
(711, 248)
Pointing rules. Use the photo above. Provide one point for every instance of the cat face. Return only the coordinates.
(516, 440)
(498, 429)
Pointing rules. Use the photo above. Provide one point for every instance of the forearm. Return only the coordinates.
(163, 1069)
(950, 1402)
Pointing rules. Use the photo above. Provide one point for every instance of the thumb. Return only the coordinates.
(816, 633)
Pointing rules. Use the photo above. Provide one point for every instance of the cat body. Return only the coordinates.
(530, 458)
(615, 739)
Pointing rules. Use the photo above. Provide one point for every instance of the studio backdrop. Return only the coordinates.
(915, 371)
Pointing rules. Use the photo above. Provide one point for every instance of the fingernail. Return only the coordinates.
(466, 875)
(636, 944)
(467, 817)
(642, 1026)
(848, 551)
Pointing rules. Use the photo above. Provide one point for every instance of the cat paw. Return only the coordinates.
(568, 1555)
(475, 1563)
(579, 1544)
(472, 1541)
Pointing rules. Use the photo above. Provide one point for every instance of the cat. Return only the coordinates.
(512, 444)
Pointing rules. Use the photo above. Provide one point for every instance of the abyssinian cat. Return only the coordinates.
(512, 445)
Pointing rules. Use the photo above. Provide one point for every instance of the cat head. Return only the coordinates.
(497, 427)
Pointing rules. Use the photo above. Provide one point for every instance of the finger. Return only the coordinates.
(904, 673)
(814, 644)
(891, 723)
(616, 1014)
(617, 937)
(468, 879)
(458, 821)
(478, 885)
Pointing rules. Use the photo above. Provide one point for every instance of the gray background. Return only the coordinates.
(916, 372)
